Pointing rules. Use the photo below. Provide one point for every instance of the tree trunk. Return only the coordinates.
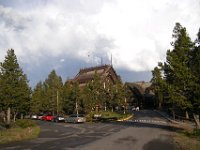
(22, 116)
(173, 114)
(14, 116)
(4, 116)
(196, 119)
(124, 110)
(160, 106)
(160, 101)
(8, 115)
(186, 114)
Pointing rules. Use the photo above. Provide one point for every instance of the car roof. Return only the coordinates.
(76, 115)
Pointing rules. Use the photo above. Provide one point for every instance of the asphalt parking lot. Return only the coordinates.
(147, 131)
(65, 135)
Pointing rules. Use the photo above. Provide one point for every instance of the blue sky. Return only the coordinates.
(67, 35)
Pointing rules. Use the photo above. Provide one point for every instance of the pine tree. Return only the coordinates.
(38, 103)
(68, 104)
(176, 69)
(95, 92)
(158, 85)
(195, 67)
(14, 91)
(118, 97)
(53, 92)
(72, 98)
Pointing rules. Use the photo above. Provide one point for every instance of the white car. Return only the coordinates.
(34, 116)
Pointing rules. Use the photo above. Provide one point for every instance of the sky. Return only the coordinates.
(67, 35)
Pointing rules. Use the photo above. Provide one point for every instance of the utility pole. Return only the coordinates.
(57, 101)
(111, 60)
(76, 108)
(125, 105)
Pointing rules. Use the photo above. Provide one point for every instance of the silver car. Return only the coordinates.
(75, 118)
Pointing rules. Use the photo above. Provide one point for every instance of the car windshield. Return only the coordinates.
(76, 115)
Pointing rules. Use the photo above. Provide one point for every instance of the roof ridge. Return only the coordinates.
(94, 67)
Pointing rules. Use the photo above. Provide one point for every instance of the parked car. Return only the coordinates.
(47, 118)
(76, 118)
(34, 116)
(39, 116)
(58, 118)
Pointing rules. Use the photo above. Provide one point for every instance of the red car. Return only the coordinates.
(47, 117)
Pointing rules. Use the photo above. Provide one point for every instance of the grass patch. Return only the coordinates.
(194, 134)
(187, 140)
(106, 116)
(19, 132)
(114, 115)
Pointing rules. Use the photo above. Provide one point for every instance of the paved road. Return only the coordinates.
(147, 131)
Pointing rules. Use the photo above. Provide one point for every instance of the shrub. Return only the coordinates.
(24, 123)
(89, 117)
(4, 125)
(196, 132)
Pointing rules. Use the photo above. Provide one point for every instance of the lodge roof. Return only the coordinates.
(87, 74)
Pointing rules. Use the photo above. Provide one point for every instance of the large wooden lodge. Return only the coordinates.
(105, 72)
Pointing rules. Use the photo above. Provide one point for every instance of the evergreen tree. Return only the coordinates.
(14, 91)
(72, 98)
(176, 69)
(95, 95)
(195, 67)
(22, 105)
(38, 103)
(53, 92)
(68, 104)
(158, 85)
(118, 97)
(88, 98)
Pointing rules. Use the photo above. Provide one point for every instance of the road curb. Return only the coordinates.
(173, 121)
(124, 119)
(164, 116)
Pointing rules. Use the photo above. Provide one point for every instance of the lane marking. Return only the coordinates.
(147, 121)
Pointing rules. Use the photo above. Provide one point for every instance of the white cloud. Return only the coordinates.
(142, 29)
(137, 33)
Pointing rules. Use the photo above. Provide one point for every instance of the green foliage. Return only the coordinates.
(181, 73)
(195, 67)
(93, 94)
(158, 85)
(14, 89)
(106, 116)
(101, 94)
(48, 96)
(68, 105)
(196, 133)
(176, 69)
(72, 96)
(38, 103)
(53, 91)
(18, 134)
(25, 123)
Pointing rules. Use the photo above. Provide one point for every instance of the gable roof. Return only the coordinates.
(87, 74)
